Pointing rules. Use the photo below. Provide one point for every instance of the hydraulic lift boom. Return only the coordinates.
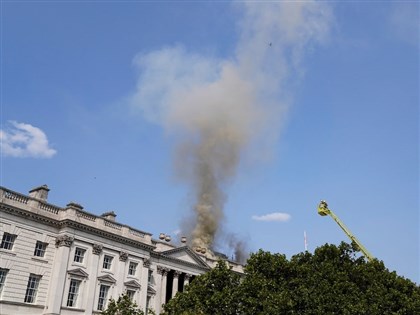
(323, 210)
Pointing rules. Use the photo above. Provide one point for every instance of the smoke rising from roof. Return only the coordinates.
(217, 108)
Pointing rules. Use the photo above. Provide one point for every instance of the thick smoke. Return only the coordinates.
(216, 109)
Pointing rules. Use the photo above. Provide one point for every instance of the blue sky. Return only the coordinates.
(97, 98)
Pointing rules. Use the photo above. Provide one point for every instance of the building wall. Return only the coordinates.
(161, 269)
(21, 262)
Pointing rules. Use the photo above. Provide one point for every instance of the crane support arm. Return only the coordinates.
(323, 211)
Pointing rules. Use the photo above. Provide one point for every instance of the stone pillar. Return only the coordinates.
(164, 272)
(156, 301)
(186, 280)
(59, 271)
(163, 286)
(175, 282)
(144, 282)
(93, 269)
(119, 270)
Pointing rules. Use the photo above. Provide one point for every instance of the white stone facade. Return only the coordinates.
(56, 260)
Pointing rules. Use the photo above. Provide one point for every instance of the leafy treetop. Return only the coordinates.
(332, 280)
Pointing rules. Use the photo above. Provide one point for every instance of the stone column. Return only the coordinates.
(59, 271)
(119, 270)
(164, 272)
(156, 301)
(144, 282)
(187, 277)
(175, 282)
(93, 270)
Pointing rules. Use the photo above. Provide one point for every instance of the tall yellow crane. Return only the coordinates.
(323, 211)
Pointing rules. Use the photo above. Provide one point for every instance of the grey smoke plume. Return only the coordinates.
(217, 108)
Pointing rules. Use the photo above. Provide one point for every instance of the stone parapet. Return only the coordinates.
(72, 212)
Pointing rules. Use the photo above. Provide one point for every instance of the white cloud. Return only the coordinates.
(25, 140)
(275, 216)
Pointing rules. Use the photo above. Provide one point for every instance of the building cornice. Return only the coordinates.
(111, 236)
(28, 214)
(73, 224)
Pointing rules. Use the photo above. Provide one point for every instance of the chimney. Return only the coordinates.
(40, 193)
(110, 215)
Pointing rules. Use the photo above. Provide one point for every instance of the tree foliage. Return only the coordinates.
(122, 306)
(212, 293)
(332, 280)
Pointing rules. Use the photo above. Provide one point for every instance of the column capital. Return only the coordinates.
(123, 256)
(162, 270)
(187, 276)
(97, 248)
(146, 262)
(177, 273)
(64, 240)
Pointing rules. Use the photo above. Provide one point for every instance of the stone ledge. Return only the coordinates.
(72, 309)
(42, 260)
(7, 252)
(21, 304)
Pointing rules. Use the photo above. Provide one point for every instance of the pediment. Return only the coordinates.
(78, 273)
(132, 284)
(185, 254)
(150, 290)
(107, 278)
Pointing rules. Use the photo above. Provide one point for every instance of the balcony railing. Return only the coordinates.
(11, 195)
(49, 208)
(35, 205)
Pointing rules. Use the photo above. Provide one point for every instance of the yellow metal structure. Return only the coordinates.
(323, 211)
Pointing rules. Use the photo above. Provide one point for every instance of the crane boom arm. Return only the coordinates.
(323, 210)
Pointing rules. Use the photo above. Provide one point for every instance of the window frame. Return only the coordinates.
(103, 296)
(32, 288)
(132, 271)
(107, 262)
(131, 293)
(8, 241)
(73, 293)
(3, 275)
(148, 300)
(80, 258)
(150, 277)
(42, 250)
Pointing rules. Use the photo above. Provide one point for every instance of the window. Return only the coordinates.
(107, 262)
(7, 241)
(79, 255)
(32, 288)
(132, 268)
(150, 277)
(103, 293)
(130, 294)
(3, 273)
(73, 292)
(148, 303)
(40, 248)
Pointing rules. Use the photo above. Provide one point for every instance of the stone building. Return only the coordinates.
(65, 260)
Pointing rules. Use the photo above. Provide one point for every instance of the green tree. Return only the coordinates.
(122, 306)
(332, 280)
(214, 293)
